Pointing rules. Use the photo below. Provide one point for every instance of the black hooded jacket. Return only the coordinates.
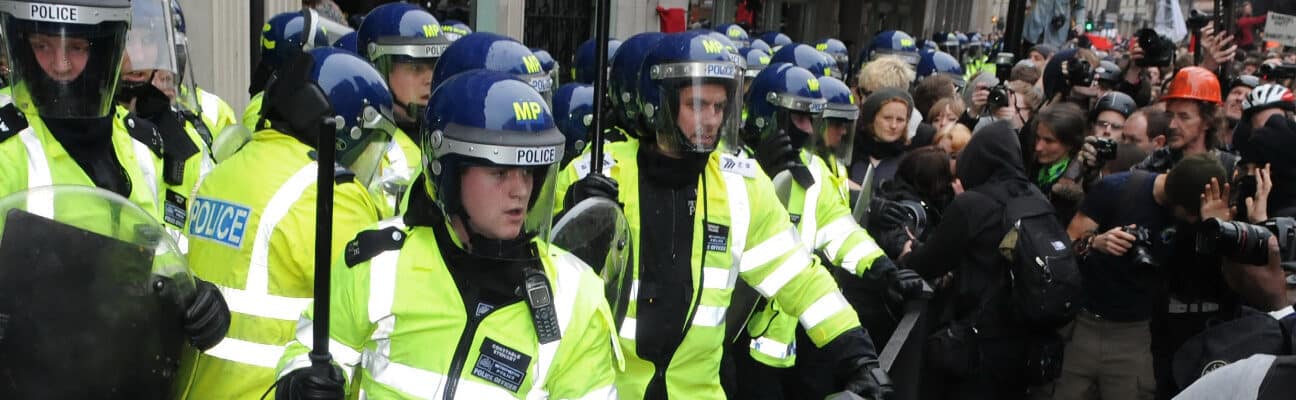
(1275, 144)
(967, 239)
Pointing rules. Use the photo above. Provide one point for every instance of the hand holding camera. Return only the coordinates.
(1115, 242)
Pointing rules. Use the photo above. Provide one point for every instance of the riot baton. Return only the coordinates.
(326, 154)
(600, 84)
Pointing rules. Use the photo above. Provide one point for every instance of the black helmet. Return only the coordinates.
(1113, 101)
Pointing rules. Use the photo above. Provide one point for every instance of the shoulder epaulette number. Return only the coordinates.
(369, 244)
(11, 122)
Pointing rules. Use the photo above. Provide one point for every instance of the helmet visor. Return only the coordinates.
(365, 144)
(700, 106)
(506, 188)
(910, 57)
(150, 47)
(835, 140)
(64, 70)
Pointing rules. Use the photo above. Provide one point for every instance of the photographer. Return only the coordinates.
(1069, 77)
(1124, 236)
(1149, 53)
(1257, 348)
(1270, 107)
(1109, 114)
(1013, 102)
(1196, 120)
(986, 361)
(925, 184)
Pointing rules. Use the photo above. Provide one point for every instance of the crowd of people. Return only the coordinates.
(1079, 223)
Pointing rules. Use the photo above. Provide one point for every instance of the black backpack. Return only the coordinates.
(1043, 272)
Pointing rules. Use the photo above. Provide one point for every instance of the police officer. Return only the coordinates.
(584, 64)
(775, 40)
(282, 37)
(700, 219)
(485, 50)
(787, 113)
(455, 29)
(975, 58)
(148, 88)
(548, 64)
(462, 297)
(253, 227)
(757, 60)
(939, 62)
(891, 43)
(216, 114)
(623, 84)
(348, 42)
(836, 50)
(404, 42)
(61, 126)
(573, 108)
(807, 57)
(736, 34)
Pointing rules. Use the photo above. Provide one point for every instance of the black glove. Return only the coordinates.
(886, 214)
(311, 383)
(776, 154)
(869, 380)
(207, 317)
(908, 283)
(856, 365)
(592, 185)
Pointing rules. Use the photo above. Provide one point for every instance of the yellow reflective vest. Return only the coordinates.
(759, 245)
(400, 330)
(823, 220)
(252, 233)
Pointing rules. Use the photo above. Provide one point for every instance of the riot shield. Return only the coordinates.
(783, 182)
(596, 231)
(91, 294)
(229, 141)
(860, 209)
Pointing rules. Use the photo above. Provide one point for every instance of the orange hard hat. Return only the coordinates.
(1194, 83)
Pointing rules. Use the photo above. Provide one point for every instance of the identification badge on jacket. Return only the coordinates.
(716, 237)
(501, 365)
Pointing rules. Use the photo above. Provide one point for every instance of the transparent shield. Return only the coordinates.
(187, 86)
(596, 231)
(83, 270)
(860, 210)
(229, 141)
(150, 47)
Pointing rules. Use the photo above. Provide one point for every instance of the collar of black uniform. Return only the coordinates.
(671, 172)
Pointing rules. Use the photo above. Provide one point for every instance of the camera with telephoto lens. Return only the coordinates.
(1140, 251)
(1105, 149)
(912, 214)
(1277, 72)
(1158, 51)
(1246, 243)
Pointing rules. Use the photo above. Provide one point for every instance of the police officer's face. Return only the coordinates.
(1048, 149)
(1186, 124)
(890, 122)
(1109, 124)
(62, 58)
(411, 83)
(495, 199)
(701, 111)
(835, 131)
(162, 79)
(1233, 104)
